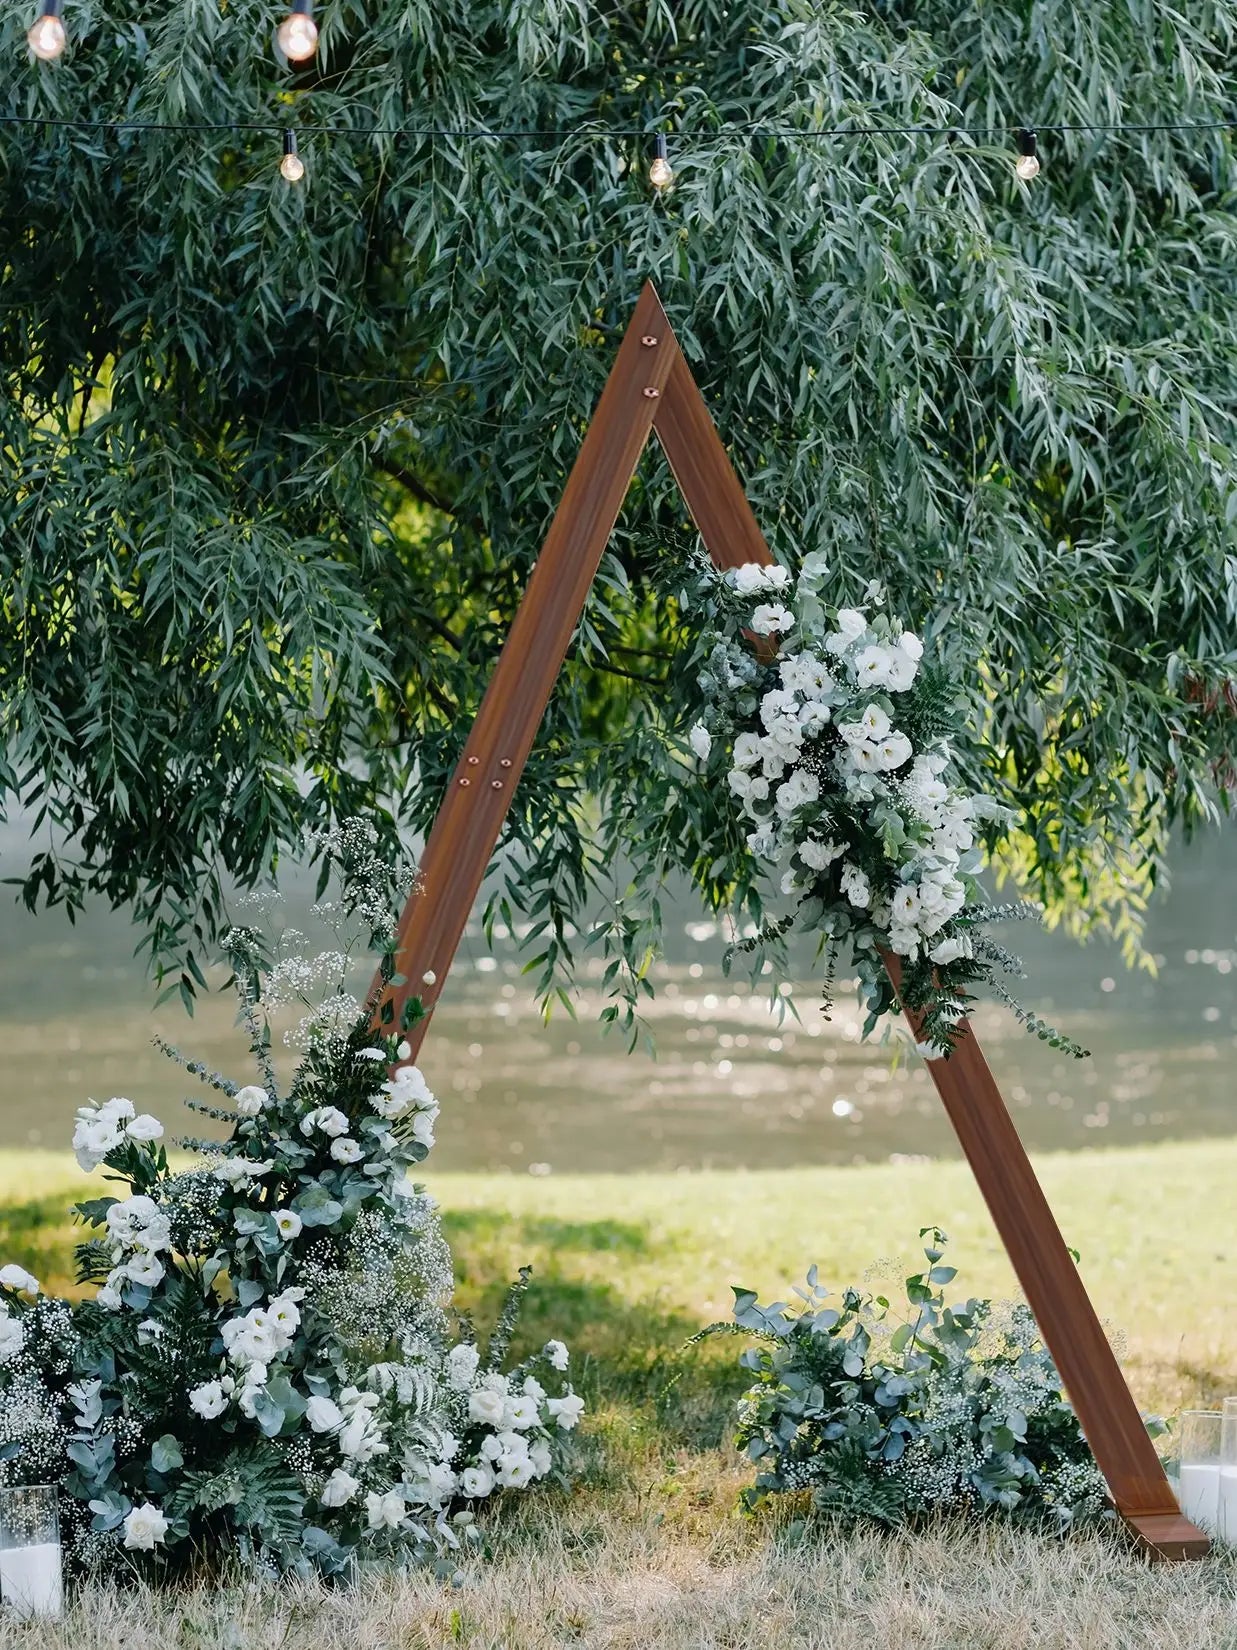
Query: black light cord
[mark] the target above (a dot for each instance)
(683, 135)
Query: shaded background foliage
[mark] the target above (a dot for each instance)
(277, 461)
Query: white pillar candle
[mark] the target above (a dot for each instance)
(1226, 1524)
(30, 1583)
(1200, 1493)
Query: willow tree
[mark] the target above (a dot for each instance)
(278, 458)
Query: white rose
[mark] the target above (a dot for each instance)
(566, 1411)
(145, 1527)
(16, 1277)
(385, 1511)
(287, 1224)
(341, 1486)
(12, 1338)
(144, 1127)
(487, 1407)
(345, 1150)
(557, 1354)
(250, 1100)
(324, 1414)
(746, 752)
(462, 1364)
(476, 1482)
(700, 740)
(208, 1400)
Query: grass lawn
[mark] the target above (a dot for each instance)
(648, 1550)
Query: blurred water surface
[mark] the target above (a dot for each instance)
(729, 1086)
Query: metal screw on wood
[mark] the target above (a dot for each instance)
(504, 762)
(648, 340)
(652, 394)
(473, 761)
(465, 781)
(496, 784)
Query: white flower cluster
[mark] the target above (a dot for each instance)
(407, 1095)
(139, 1233)
(833, 788)
(101, 1129)
(514, 1450)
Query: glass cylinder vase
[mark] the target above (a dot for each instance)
(1198, 1469)
(1227, 1523)
(30, 1568)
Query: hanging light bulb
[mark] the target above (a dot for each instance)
(297, 35)
(1027, 164)
(661, 173)
(46, 36)
(291, 166)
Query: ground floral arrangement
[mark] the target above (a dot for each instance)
(269, 1366)
(944, 1409)
(833, 737)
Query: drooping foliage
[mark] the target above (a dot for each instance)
(277, 460)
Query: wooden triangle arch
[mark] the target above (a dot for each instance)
(651, 389)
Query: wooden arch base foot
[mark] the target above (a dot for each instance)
(651, 391)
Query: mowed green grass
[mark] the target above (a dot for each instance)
(647, 1551)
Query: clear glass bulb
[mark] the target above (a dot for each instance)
(661, 173)
(297, 36)
(47, 38)
(1027, 167)
(293, 168)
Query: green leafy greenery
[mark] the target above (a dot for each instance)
(277, 461)
(953, 1408)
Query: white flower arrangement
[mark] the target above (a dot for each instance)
(268, 1365)
(836, 754)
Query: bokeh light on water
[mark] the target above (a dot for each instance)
(730, 1085)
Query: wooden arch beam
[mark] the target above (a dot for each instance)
(651, 389)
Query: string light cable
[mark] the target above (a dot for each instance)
(297, 37)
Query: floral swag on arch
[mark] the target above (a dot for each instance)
(836, 753)
(269, 1366)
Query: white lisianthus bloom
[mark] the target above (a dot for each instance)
(491, 1447)
(762, 843)
(237, 1171)
(814, 719)
(775, 704)
(521, 1412)
(515, 1471)
(950, 950)
(287, 1223)
(109, 1298)
(905, 906)
(903, 942)
(566, 1411)
(250, 1100)
(770, 619)
(541, 1456)
(800, 789)
(476, 1482)
(17, 1277)
(341, 1486)
(144, 1127)
(361, 1438)
(208, 1400)
(700, 740)
(12, 1338)
(385, 1511)
(324, 1414)
(533, 1388)
(145, 1269)
(910, 643)
(557, 1353)
(145, 1527)
(487, 1407)
(404, 1051)
(790, 883)
(117, 1110)
(96, 1133)
(462, 1364)
(346, 1150)
(872, 665)
(851, 624)
(855, 886)
(423, 1127)
(330, 1120)
(435, 1483)
(902, 670)
(818, 856)
(285, 1315)
(746, 752)
(754, 576)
